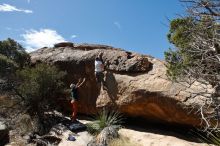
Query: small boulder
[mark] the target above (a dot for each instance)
(105, 136)
(4, 134)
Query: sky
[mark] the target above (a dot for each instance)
(134, 25)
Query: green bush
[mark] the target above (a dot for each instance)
(178, 60)
(14, 51)
(40, 84)
(104, 119)
(12, 57)
(7, 66)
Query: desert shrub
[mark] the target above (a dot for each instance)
(6, 65)
(104, 119)
(40, 83)
(14, 51)
(12, 57)
(39, 86)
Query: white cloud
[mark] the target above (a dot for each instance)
(10, 8)
(73, 36)
(34, 39)
(117, 24)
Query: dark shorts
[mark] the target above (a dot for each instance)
(72, 97)
(99, 76)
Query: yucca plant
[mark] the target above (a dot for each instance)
(208, 137)
(104, 118)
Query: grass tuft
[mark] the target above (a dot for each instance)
(104, 119)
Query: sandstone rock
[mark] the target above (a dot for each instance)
(87, 47)
(64, 44)
(82, 139)
(136, 84)
(121, 61)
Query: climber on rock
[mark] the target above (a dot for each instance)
(75, 98)
(99, 70)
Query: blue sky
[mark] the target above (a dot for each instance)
(134, 25)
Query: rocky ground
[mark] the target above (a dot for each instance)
(145, 138)
(82, 139)
(150, 135)
(138, 135)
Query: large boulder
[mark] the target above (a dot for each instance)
(137, 85)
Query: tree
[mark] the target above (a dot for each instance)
(178, 60)
(197, 54)
(12, 57)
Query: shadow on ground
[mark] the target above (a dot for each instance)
(182, 132)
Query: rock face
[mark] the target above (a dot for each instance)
(136, 84)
